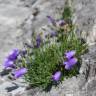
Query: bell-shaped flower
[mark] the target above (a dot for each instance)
(51, 20)
(56, 76)
(20, 72)
(60, 22)
(52, 34)
(13, 54)
(70, 63)
(38, 41)
(23, 52)
(70, 54)
(8, 64)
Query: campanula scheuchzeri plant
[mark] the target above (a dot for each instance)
(50, 60)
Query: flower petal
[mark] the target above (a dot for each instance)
(68, 67)
(8, 64)
(53, 34)
(70, 63)
(13, 54)
(20, 72)
(70, 54)
(38, 41)
(52, 20)
(61, 22)
(56, 76)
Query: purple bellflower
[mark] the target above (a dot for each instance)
(20, 72)
(13, 54)
(52, 34)
(23, 52)
(52, 20)
(70, 54)
(70, 63)
(56, 76)
(38, 41)
(61, 22)
(8, 64)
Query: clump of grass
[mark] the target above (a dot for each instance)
(46, 61)
(42, 66)
(48, 58)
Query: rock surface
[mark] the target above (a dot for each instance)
(19, 18)
(85, 17)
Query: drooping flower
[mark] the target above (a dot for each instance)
(38, 41)
(13, 54)
(23, 52)
(70, 63)
(56, 76)
(61, 22)
(20, 72)
(52, 34)
(8, 64)
(52, 20)
(70, 54)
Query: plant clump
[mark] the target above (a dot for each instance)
(49, 61)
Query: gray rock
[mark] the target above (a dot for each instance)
(85, 18)
(28, 3)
